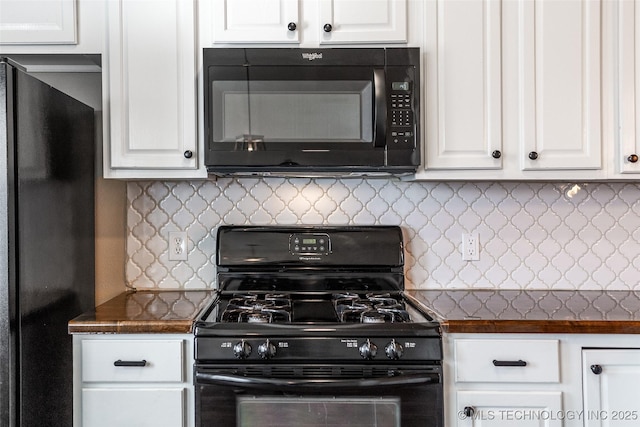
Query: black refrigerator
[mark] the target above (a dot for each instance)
(46, 245)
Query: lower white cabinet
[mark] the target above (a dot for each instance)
(501, 382)
(109, 407)
(133, 380)
(500, 408)
(551, 380)
(611, 384)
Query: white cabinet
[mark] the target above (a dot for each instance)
(38, 22)
(568, 380)
(463, 95)
(559, 82)
(133, 380)
(257, 21)
(150, 90)
(52, 26)
(507, 361)
(509, 408)
(300, 21)
(628, 42)
(362, 21)
(611, 381)
(108, 407)
(513, 90)
(503, 381)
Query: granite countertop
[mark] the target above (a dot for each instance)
(144, 312)
(531, 311)
(458, 311)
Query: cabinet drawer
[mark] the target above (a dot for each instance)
(115, 360)
(123, 407)
(533, 361)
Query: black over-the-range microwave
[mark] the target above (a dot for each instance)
(292, 111)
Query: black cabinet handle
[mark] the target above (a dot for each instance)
(468, 411)
(327, 28)
(188, 154)
(292, 26)
(533, 155)
(496, 154)
(135, 363)
(596, 369)
(509, 363)
(632, 158)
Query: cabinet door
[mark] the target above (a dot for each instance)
(133, 407)
(559, 84)
(628, 150)
(504, 408)
(463, 92)
(362, 21)
(38, 22)
(255, 21)
(611, 382)
(151, 85)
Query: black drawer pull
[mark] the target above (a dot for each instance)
(138, 363)
(509, 363)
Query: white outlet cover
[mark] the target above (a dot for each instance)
(178, 250)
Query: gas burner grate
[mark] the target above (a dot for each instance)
(258, 308)
(370, 308)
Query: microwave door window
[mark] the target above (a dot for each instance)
(292, 111)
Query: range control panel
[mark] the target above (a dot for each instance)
(310, 244)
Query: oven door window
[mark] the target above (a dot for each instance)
(332, 411)
(299, 111)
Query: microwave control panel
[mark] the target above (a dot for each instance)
(401, 113)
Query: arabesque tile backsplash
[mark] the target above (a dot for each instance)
(532, 235)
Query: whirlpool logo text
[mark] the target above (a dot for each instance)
(311, 56)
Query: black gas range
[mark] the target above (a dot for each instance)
(315, 315)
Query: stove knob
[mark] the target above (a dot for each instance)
(368, 350)
(394, 350)
(266, 350)
(242, 350)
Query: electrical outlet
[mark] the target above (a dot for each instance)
(177, 245)
(470, 247)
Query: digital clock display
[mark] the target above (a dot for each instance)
(400, 86)
(309, 241)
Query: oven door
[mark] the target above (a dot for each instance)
(318, 395)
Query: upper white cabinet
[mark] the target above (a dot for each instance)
(257, 21)
(305, 21)
(362, 21)
(513, 90)
(463, 87)
(627, 150)
(150, 90)
(38, 22)
(560, 112)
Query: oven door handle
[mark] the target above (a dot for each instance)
(240, 380)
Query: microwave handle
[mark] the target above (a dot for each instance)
(380, 112)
